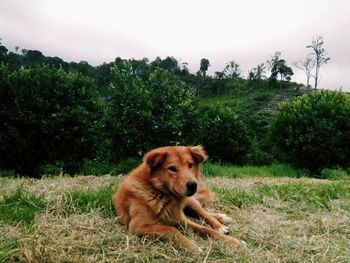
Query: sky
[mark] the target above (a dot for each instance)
(246, 31)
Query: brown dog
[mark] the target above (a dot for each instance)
(152, 198)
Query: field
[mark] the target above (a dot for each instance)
(282, 215)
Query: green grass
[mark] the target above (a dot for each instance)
(232, 171)
(238, 197)
(7, 173)
(310, 195)
(314, 195)
(244, 101)
(8, 247)
(90, 201)
(20, 206)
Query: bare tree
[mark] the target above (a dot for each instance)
(306, 65)
(320, 56)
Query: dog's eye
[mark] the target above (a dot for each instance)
(172, 169)
(190, 165)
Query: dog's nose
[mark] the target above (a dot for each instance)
(191, 188)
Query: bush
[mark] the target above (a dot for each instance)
(145, 114)
(334, 174)
(48, 116)
(313, 131)
(91, 167)
(223, 135)
(7, 173)
(48, 169)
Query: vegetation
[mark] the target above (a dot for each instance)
(60, 117)
(71, 219)
(313, 131)
(48, 116)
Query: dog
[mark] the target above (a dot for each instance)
(152, 199)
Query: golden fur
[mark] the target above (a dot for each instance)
(152, 198)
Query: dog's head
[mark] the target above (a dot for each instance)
(175, 169)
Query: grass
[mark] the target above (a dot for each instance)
(91, 201)
(231, 171)
(281, 214)
(243, 101)
(20, 206)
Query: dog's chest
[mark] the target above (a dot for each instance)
(168, 210)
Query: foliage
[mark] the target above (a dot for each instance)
(7, 173)
(48, 117)
(313, 131)
(278, 67)
(334, 174)
(91, 167)
(223, 135)
(147, 114)
(232, 70)
(204, 65)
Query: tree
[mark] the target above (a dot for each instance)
(204, 65)
(306, 65)
(257, 73)
(232, 70)
(278, 67)
(320, 56)
(256, 76)
(3, 51)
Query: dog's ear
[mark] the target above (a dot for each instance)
(198, 153)
(154, 158)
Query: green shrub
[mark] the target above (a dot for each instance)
(223, 135)
(91, 167)
(334, 174)
(313, 131)
(145, 114)
(7, 173)
(47, 116)
(48, 169)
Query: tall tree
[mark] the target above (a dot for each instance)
(306, 65)
(320, 56)
(204, 65)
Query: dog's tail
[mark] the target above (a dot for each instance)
(204, 195)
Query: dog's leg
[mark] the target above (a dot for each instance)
(163, 231)
(214, 234)
(213, 219)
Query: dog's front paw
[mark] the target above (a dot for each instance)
(234, 241)
(197, 250)
(223, 229)
(224, 218)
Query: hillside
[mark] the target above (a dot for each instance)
(249, 101)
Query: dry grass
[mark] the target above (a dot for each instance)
(276, 230)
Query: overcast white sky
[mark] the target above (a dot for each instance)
(247, 31)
